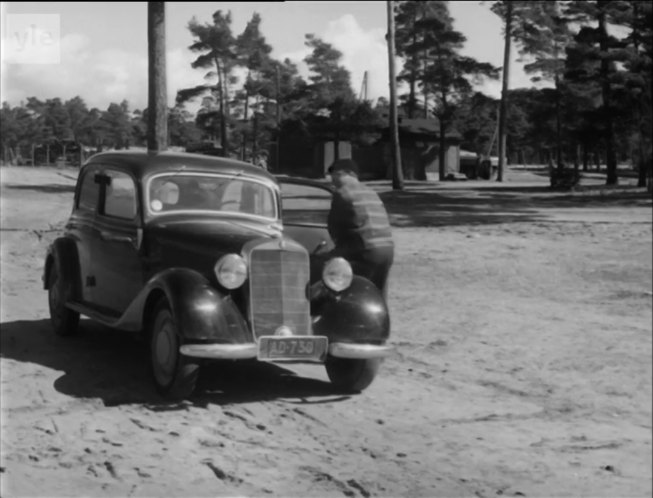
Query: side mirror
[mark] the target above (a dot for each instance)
(102, 179)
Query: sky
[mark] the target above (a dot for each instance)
(98, 50)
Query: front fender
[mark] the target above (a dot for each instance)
(201, 311)
(358, 315)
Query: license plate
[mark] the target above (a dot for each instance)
(311, 348)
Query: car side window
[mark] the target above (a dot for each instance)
(305, 203)
(89, 192)
(120, 198)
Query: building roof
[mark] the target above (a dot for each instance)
(424, 126)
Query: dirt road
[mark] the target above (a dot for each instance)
(522, 322)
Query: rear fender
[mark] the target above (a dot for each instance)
(63, 253)
(202, 312)
(359, 314)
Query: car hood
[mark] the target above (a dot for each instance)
(208, 235)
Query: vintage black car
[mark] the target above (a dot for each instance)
(193, 251)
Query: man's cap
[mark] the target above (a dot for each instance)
(344, 165)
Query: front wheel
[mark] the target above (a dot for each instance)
(64, 321)
(349, 375)
(175, 375)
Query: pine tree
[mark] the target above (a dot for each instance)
(217, 48)
(603, 51)
(447, 74)
(639, 65)
(330, 88)
(253, 53)
(411, 40)
(543, 33)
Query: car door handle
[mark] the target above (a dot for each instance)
(117, 238)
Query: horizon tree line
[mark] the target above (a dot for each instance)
(598, 108)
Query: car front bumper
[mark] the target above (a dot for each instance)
(220, 351)
(250, 350)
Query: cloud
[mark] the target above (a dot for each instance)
(99, 78)
(113, 75)
(110, 75)
(362, 51)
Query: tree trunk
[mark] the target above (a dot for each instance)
(558, 123)
(642, 162)
(277, 94)
(222, 107)
(243, 149)
(442, 151)
(597, 161)
(412, 100)
(606, 90)
(157, 129)
(255, 133)
(426, 94)
(397, 173)
(504, 92)
(644, 165)
(577, 158)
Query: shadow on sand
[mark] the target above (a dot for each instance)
(111, 365)
(52, 188)
(424, 205)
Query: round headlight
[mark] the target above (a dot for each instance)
(231, 271)
(337, 274)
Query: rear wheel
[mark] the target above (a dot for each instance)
(174, 374)
(64, 321)
(349, 375)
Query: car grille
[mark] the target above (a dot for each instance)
(278, 279)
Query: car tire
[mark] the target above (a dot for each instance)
(174, 374)
(349, 375)
(65, 321)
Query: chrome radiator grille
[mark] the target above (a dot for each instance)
(278, 280)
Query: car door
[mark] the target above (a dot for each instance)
(117, 263)
(81, 227)
(305, 208)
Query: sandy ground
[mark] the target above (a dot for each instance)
(522, 325)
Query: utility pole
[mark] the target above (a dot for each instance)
(397, 173)
(362, 97)
(157, 108)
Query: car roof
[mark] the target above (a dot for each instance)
(143, 164)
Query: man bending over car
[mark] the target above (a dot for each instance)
(359, 226)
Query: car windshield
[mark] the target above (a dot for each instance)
(211, 193)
